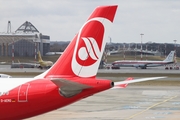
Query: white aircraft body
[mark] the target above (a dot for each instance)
(144, 64)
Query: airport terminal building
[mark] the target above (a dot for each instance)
(25, 41)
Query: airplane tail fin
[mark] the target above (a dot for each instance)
(170, 57)
(39, 57)
(83, 55)
(19, 61)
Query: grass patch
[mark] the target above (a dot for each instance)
(8, 60)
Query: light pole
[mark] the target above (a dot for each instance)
(110, 40)
(165, 51)
(13, 52)
(175, 50)
(141, 44)
(135, 51)
(124, 51)
(146, 51)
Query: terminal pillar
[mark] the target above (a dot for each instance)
(6, 49)
(2, 49)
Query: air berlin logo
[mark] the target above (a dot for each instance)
(90, 51)
(89, 47)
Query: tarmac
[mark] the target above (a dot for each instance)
(7, 68)
(131, 103)
(161, 69)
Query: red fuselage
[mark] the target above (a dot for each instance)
(40, 96)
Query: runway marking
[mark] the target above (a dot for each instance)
(154, 105)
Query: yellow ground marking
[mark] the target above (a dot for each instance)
(154, 105)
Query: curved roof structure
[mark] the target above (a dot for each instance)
(27, 27)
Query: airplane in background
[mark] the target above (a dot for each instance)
(24, 65)
(5, 76)
(70, 79)
(54, 53)
(42, 63)
(144, 64)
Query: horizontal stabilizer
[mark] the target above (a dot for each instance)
(136, 80)
(68, 85)
(69, 88)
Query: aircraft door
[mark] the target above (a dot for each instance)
(23, 93)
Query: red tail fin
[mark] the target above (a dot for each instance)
(82, 57)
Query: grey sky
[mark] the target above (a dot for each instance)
(158, 20)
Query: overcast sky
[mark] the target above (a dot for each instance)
(158, 20)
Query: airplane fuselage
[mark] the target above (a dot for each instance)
(140, 63)
(46, 63)
(143, 64)
(40, 96)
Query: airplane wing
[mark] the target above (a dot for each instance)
(116, 84)
(123, 85)
(69, 86)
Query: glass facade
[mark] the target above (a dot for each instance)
(3, 49)
(46, 48)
